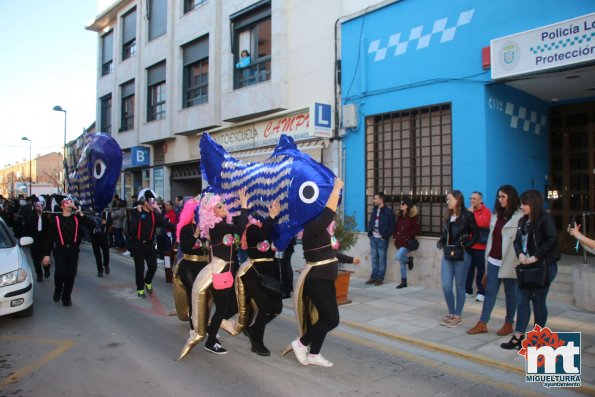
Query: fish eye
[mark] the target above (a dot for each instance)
(308, 192)
(99, 169)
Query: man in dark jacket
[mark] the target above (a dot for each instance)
(100, 242)
(38, 227)
(381, 226)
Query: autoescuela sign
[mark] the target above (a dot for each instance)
(301, 125)
(561, 44)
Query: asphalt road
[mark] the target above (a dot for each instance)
(111, 343)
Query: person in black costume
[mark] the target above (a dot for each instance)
(66, 232)
(143, 223)
(195, 250)
(263, 261)
(100, 242)
(38, 226)
(316, 285)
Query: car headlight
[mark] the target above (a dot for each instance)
(18, 276)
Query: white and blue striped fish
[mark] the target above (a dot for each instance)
(93, 181)
(301, 184)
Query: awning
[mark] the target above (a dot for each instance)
(313, 148)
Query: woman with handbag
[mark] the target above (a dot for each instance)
(459, 234)
(215, 278)
(404, 237)
(195, 251)
(501, 259)
(536, 245)
(259, 279)
(314, 294)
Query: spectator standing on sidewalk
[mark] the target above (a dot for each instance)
(501, 259)
(381, 226)
(458, 236)
(536, 241)
(405, 231)
(477, 269)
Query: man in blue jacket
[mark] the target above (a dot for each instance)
(380, 228)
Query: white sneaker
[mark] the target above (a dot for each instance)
(317, 359)
(480, 298)
(469, 296)
(127, 253)
(300, 351)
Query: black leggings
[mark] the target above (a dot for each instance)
(222, 298)
(323, 295)
(268, 306)
(188, 270)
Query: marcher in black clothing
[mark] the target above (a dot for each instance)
(287, 270)
(195, 257)
(143, 223)
(66, 233)
(100, 242)
(38, 227)
(317, 284)
(261, 261)
(213, 223)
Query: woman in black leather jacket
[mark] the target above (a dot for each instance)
(459, 230)
(536, 241)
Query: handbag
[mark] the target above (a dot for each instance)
(222, 280)
(484, 233)
(533, 276)
(412, 245)
(270, 284)
(454, 252)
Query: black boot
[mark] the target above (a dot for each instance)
(513, 343)
(410, 263)
(403, 283)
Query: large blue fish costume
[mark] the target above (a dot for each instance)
(93, 182)
(301, 184)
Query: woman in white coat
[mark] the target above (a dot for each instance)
(501, 259)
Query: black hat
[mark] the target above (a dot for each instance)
(146, 194)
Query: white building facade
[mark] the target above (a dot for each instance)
(168, 71)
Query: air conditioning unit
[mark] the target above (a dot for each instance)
(349, 119)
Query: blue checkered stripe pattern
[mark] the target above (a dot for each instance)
(525, 119)
(401, 42)
(568, 42)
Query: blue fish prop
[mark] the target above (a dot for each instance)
(301, 184)
(93, 182)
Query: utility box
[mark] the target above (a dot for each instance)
(349, 119)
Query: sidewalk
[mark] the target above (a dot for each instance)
(413, 315)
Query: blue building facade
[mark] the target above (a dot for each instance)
(430, 118)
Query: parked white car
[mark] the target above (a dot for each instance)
(16, 278)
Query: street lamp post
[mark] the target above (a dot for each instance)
(30, 168)
(58, 108)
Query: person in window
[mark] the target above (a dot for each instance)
(406, 229)
(501, 259)
(195, 250)
(459, 231)
(316, 285)
(67, 236)
(536, 241)
(256, 240)
(243, 66)
(216, 225)
(244, 60)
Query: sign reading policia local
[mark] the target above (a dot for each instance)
(565, 43)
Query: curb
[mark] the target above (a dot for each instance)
(586, 388)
